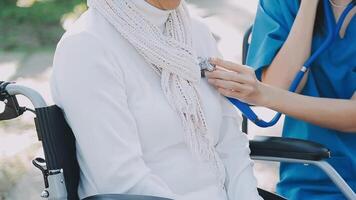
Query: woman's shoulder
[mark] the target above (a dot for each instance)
(91, 29)
(83, 53)
(203, 39)
(85, 43)
(200, 27)
(199, 24)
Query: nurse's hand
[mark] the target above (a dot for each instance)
(238, 81)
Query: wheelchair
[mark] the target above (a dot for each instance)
(60, 168)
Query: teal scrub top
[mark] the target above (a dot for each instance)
(333, 75)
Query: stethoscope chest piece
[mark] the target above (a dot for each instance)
(205, 65)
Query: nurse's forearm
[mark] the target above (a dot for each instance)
(335, 114)
(240, 82)
(296, 49)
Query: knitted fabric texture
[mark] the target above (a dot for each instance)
(171, 55)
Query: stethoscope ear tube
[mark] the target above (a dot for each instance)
(333, 32)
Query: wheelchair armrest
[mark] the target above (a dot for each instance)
(268, 195)
(288, 148)
(123, 197)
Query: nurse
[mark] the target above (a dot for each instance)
(284, 35)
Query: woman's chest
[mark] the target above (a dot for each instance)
(159, 124)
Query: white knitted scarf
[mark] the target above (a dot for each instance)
(172, 56)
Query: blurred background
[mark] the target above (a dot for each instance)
(29, 31)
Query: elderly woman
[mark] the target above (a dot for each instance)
(127, 77)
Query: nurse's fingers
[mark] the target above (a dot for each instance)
(231, 94)
(230, 76)
(231, 85)
(230, 65)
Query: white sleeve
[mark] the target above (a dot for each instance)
(93, 96)
(233, 148)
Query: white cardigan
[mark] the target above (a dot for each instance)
(129, 139)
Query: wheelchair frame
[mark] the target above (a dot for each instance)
(55, 178)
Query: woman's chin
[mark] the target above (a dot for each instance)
(165, 4)
(170, 4)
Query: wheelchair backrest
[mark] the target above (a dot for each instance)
(59, 146)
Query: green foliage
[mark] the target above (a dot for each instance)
(36, 26)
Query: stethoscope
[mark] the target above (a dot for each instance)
(333, 30)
